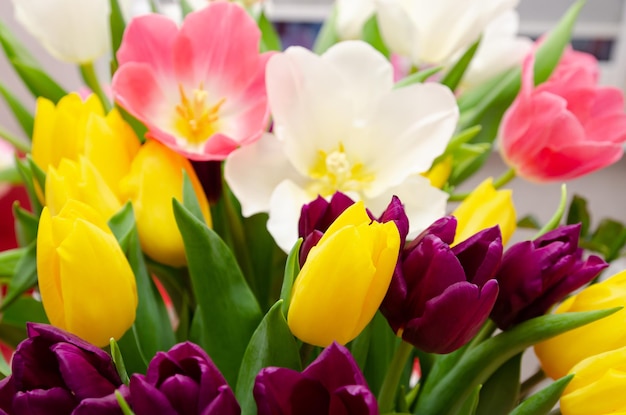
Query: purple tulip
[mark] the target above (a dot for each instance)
(535, 275)
(54, 372)
(439, 296)
(183, 380)
(317, 216)
(331, 385)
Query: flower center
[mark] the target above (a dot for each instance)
(334, 171)
(196, 119)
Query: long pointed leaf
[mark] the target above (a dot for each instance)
(543, 401)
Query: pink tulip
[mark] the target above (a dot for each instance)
(566, 127)
(199, 89)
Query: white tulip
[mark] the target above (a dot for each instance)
(352, 16)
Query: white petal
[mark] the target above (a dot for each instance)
(75, 31)
(254, 171)
(351, 17)
(422, 202)
(396, 27)
(285, 207)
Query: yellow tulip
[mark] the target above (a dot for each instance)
(87, 286)
(559, 354)
(598, 386)
(483, 208)
(344, 279)
(81, 181)
(156, 176)
(440, 172)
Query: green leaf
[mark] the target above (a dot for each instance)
(543, 401)
(455, 74)
(371, 35)
(38, 82)
(609, 238)
(118, 361)
(272, 344)
(417, 77)
(450, 391)
(500, 392)
(228, 309)
(38, 174)
(10, 175)
(185, 7)
(29, 183)
(9, 260)
(117, 25)
(470, 405)
(578, 213)
(468, 158)
(25, 277)
(152, 324)
(134, 359)
(123, 404)
(190, 199)
(5, 369)
(554, 221)
(292, 269)
(21, 114)
(270, 39)
(15, 317)
(327, 35)
(529, 222)
(25, 225)
(383, 344)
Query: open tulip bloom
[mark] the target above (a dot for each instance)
(234, 227)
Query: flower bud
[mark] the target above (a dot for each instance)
(344, 279)
(87, 286)
(483, 208)
(559, 354)
(156, 176)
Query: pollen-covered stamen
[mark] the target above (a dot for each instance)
(196, 119)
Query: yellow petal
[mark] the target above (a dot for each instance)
(42, 133)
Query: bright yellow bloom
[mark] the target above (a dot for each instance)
(559, 354)
(344, 279)
(440, 172)
(483, 208)
(598, 386)
(156, 176)
(81, 181)
(87, 286)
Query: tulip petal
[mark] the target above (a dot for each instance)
(334, 368)
(39, 401)
(353, 399)
(273, 387)
(147, 399)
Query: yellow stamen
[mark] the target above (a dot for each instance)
(196, 120)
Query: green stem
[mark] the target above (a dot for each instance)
(88, 72)
(389, 388)
(16, 142)
(506, 177)
(485, 332)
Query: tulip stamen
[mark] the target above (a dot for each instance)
(196, 119)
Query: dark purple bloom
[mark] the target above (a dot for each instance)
(331, 385)
(317, 216)
(439, 296)
(535, 275)
(54, 372)
(183, 380)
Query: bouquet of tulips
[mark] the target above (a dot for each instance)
(226, 227)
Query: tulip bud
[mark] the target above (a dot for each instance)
(559, 354)
(598, 385)
(87, 286)
(332, 384)
(344, 278)
(483, 208)
(80, 181)
(535, 275)
(156, 176)
(439, 296)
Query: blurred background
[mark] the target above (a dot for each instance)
(601, 30)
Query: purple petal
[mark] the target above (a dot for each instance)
(444, 229)
(34, 366)
(272, 388)
(353, 400)
(44, 402)
(182, 392)
(310, 214)
(480, 255)
(395, 212)
(309, 397)
(224, 404)
(394, 305)
(309, 242)
(335, 367)
(568, 234)
(107, 405)
(7, 392)
(148, 400)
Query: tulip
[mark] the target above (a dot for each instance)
(54, 372)
(199, 95)
(73, 31)
(559, 354)
(439, 296)
(352, 16)
(155, 177)
(331, 385)
(182, 381)
(598, 385)
(344, 279)
(439, 173)
(80, 181)
(87, 286)
(535, 275)
(564, 128)
(483, 208)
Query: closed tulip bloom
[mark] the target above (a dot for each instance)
(598, 385)
(55, 372)
(87, 286)
(559, 354)
(483, 208)
(182, 381)
(73, 31)
(331, 385)
(155, 177)
(566, 127)
(537, 274)
(439, 296)
(344, 279)
(81, 181)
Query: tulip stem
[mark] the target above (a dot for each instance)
(88, 72)
(389, 388)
